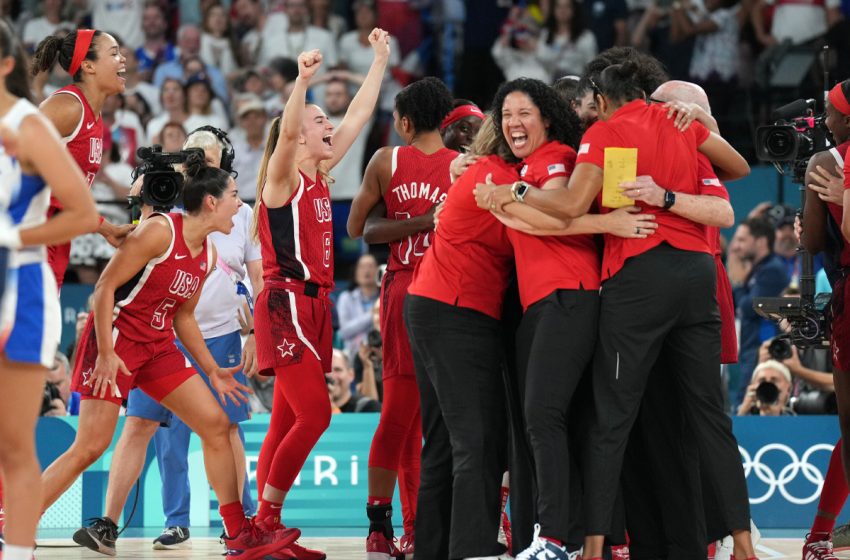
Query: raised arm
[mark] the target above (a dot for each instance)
(728, 163)
(361, 107)
(282, 170)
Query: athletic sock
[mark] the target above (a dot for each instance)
(269, 511)
(12, 552)
(554, 541)
(379, 510)
(233, 517)
(833, 496)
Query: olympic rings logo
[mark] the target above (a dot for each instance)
(796, 466)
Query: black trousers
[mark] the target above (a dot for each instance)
(555, 344)
(662, 302)
(458, 357)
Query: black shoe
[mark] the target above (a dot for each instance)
(99, 536)
(173, 538)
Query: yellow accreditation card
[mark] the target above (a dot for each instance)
(620, 166)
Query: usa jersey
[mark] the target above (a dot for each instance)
(840, 155)
(419, 182)
(145, 305)
(296, 239)
(85, 144)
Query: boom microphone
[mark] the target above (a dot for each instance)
(794, 109)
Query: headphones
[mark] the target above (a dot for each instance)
(227, 152)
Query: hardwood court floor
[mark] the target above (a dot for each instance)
(337, 548)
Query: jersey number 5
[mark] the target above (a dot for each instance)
(158, 320)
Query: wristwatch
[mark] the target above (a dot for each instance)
(669, 199)
(518, 191)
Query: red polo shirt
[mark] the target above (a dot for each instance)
(470, 259)
(549, 263)
(664, 153)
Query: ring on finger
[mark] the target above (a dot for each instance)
(637, 230)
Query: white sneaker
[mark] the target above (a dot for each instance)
(542, 549)
(726, 546)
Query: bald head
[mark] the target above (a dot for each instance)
(687, 92)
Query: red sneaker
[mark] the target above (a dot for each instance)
(379, 547)
(818, 547)
(256, 540)
(405, 545)
(297, 552)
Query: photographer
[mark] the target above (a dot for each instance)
(769, 392)
(808, 366)
(58, 398)
(516, 49)
(340, 386)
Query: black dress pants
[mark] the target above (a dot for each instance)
(458, 357)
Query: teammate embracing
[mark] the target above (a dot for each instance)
(401, 188)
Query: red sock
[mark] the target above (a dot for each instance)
(379, 501)
(833, 496)
(551, 540)
(269, 510)
(233, 517)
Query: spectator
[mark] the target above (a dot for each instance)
(717, 28)
(172, 97)
(249, 147)
(199, 104)
(566, 45)
(769, 392)
(281, 74)
(794, 22)
(217, 41)
(356, 54)
(343, 396)
(156, 49)
(785, 244)
(122, 17)
(607, 22)
(322, 16)
(250, 81)
(654, 32)
(401, 19)
(515, 50)
(38, 28)
(354, 306)
(349, 171)
(173, 136)
(764, 276)
(246, 29)
(290, 34)
(142, 96)
(189, 43)
(58, 382)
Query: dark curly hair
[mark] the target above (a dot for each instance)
(202, 180)
(425, 102)
(564, 124)
(651, 75)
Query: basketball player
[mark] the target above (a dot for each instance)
(96, 66)
(292, 219)
(145, 296)
(410, 181)
(31, 155)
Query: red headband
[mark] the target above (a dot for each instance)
(81, 47)
(459, 113)
(839, 100)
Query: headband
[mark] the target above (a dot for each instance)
(81, 47)
(459, 113)
(839, 100)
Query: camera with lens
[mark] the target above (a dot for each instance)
(50, 392)
(162, 186)
(815, 402)
(795, 135)
(780, 348)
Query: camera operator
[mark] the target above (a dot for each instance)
(340, 381)
(812, 383)
(58, 399)
(769, 392)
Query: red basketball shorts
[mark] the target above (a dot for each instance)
(398, 359)
(287, 324)
(157, 367)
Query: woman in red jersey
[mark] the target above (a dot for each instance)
(145, 295)
(292, 219)
(30, 323)
(657, 296)
(94, 62)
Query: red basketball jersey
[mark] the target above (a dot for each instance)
(297, 239)
(837, 212)
(145, 306)
(86, 142)
(419, 182)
